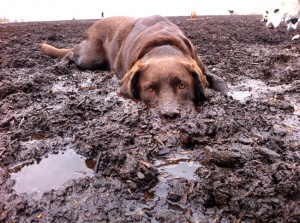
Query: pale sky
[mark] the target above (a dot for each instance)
(44, 10)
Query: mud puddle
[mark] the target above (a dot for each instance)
(178, 168)
(51, 172)
(169, 169)
(181, 169)
(250, 89)
(277, 97)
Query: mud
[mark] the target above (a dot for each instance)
(234, 159)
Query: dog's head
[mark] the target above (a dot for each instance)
(292, 23)
(166, 83)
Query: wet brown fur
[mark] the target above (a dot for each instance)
(128, 45)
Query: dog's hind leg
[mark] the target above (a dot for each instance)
(89, 54)
(65, 54)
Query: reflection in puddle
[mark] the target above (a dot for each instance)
(256, 89)
(180, 169)
(62, 86)
(173, 168)
(50, 173)
(157, 194)
(241, 96)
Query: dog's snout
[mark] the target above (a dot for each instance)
(290, 27)
(270, 26)
(169, 110)
(171, 114)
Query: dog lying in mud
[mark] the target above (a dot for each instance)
(154, 60)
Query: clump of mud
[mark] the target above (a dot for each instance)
(234, 159)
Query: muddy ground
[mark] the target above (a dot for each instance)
(244, 147)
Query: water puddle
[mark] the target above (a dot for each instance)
(254, 89)
(241, 96)
(85, 85)
(257, 90)
(178, 168)
(170, 169)
(51, 172)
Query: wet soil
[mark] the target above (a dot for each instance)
(234, 159)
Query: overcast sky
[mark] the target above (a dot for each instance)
(43, 10)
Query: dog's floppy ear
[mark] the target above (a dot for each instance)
(200, 80)
(129, 83)
(215, 82)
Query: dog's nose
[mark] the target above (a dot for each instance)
(270, 26)
(171, 114)
(289, 28)
(169, 107)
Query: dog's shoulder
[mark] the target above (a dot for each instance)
(109, 26)
(152, 20)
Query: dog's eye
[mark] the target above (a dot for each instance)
(150, 89)
(181, 86)
(294, 20)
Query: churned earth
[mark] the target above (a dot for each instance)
(73, 150)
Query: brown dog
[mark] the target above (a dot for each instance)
(156, 63)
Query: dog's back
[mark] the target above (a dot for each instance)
(116, 43)
(149, 33)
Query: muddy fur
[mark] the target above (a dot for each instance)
(155, 61)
